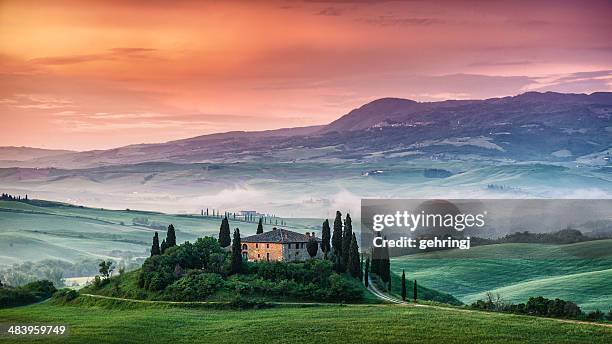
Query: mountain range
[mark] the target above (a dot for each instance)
(531, 126)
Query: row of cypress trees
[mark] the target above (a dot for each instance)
(341, 246)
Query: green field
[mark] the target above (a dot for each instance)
(138, 323)
(577, 272)
(51, 230)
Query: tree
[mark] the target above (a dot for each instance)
(312, 247)
(163, 246)
(337, 235)
(325, 237)
(347, 237)
(403, 285)
(366, 273)
(260, 227)
(224, 233)
(155, 251)
(414, 291)
(361, 269)
(106, 268)
(353, 258)
(171, 237)
(236, 263)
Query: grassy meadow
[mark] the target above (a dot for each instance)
(122, 322)
(578, 272)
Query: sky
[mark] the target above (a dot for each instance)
(84, 75)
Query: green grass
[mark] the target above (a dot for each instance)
(578, 272)
(322, 324)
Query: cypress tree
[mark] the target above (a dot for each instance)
(155, 247)
(337, 235)
(361, 269)
(171, 237)
(347, 237)
(224, 233)
(414, 291)
(260, 226)
(403, 286)
(325, 237)
(163, 247)
(353, 261)
(236, 263)
(312, 247)
(366, 273)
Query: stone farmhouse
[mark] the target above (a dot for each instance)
(278, 245)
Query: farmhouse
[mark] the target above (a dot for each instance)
(278, 245)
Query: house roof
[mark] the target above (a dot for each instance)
(279, 235)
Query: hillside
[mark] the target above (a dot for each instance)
(577, 272)
(49, 230)
(121, 322)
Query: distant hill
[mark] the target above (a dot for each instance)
(531, 126)
(14, 154)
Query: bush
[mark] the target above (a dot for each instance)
(595, 315)
(26, 294)
(538, 306)
(158, 271)
(241, 302)
(195, 287)
(65, 295)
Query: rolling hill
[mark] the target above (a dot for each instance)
(49, 230)
(577, 272)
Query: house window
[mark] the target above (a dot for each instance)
(245, 247)
(289, 245)
(267, 245)
(297, 253)
(258, 256)
(256, 245)
(268, 256)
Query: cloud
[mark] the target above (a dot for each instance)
(37, 101)
(109, 55)
(579, 82)
(330, 11)
(499, 63)
(388, 20)
(71, 59)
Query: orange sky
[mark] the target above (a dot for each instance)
(89, 75)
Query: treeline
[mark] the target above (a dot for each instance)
(539, 306)
(268, 219)
(24, 295)
(564, 236)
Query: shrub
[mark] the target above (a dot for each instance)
(595, 315)
(65, 295)
(26, 294)
(195, 287)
